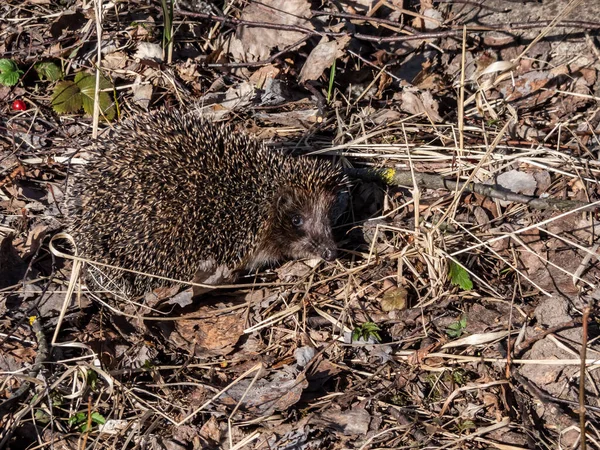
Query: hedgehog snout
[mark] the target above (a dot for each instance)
(320, 241)
(329, 253)
(324, 247)
(315, 246)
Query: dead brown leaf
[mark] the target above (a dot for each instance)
(351, 422)
(260, 77)
(210, 430)
(394, 299)
(278, 392)
(419, 103)
(255, 44)
(322, 57)
(215, 335)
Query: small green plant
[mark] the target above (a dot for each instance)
(167, 41)
(9, 72)
(80, 420)
(57, 399)
(456, 329)
(399, 399)
(435, 393)
(459, 276)
(48, 70)
(69, 96)
(459, 376)
(366, 331)
(465, 426)
(331, 78)
(42, 416)
(92, 379)
(148, 365)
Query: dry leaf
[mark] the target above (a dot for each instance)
(518, 182)
(34, 240)
(477, 339)
(278, 392)
(147, 50)
(115, 60)
(542, 180)
(435, 19)
(351, 422)
(263, 74)
(322, 57)
(419, 102)
(142, 93)
(528, 87)
(209, 336)
(394, 299)
(210, 430)
(255, 44)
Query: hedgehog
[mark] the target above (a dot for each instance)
(173, 194)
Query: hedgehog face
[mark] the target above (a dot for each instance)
(299, 226)
(302, 225)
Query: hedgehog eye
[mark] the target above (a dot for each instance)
(297, 220)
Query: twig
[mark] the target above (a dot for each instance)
(88, 426)
(539, 24)
(321, 106)
(399, 25)
(546, 398)
(253, 24)
(96, 113)
(455, 31)
(476, 4)
(394, 177)
(584, 340)
(519, 349)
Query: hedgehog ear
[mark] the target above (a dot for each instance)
(284, 199)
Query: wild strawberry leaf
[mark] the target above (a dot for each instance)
(460, 277)
(48, 70)
(87, 84)
(9, 72)
(66, 98)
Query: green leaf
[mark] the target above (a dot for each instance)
(77, 418)
(459, 376)
(460, 277)
(81, 419)
(49, 71)
(87, 84)
(366, 331)
(98, 418)
(331, 78)
(9, 78)
(7, 65)
(80, 76)
(42, 416)
(9, 72)
(66, 98)
(92, 379)
(466, 425)
(148, 365)
(455, 329)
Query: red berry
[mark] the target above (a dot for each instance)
(19, 105)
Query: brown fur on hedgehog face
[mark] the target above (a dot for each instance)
(299, 226)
